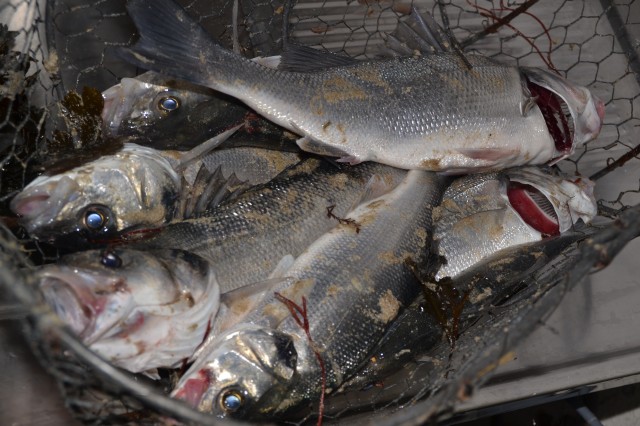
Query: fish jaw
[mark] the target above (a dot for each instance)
(122, 102)
(40, 203)
(75, 301)
(242, 368)
(587, 111)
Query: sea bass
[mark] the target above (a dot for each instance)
(139, 310)
(248, 237)
(433, 112)
(164, 113)
(313, 331)
(447, 309)
(135, 188)
(485, 213)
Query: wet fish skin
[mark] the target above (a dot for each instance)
(355, 284)
(413, 113)
(134, 110)
(247, 237)
(478, 216)
(139, 310)
(138, 187)
(498, 279)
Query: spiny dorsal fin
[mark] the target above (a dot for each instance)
(297, 58)
(419, 35)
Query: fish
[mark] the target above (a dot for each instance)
(137, 187)
(168, 114)
(314, 329)
(484, 213)
(249, 236)
(433, 112)
(139, 310)
(435, 320)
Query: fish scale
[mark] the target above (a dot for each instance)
(355, 284)
(247, 237)
(433, 112)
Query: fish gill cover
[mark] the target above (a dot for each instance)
(56, 55)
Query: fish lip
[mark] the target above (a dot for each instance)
(194, 389)
(117, 105)
(72, 308)
(41, 202)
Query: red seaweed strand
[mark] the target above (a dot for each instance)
(299, 315)
(490, 14)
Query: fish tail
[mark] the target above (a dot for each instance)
(171, 42)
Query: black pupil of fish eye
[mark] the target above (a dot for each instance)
(111, 260)
(94, 219)
(231, 401)
(168, 104)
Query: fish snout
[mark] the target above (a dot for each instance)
(42, 200)
(118, 104)
(194, 389)
(590, 121)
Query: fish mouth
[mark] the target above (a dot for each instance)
(534, 208)
(557, 116)
(67, 304)
(40, 202)
(194, 389)
(118, 104)
(573, 115)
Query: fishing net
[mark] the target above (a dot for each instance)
(51, 48)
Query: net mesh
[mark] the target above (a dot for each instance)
(50, 48)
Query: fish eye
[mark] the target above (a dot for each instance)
(96, 217)
(231, 400)
(110, 259)
(169, 103)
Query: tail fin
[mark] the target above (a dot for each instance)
(171, 42)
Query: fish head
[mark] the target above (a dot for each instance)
(152, 109)
(549, 202)
(135, 187)
(114, 292)
(244, 376)
(574, 116)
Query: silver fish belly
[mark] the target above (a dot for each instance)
(247, 237)
(352, 286)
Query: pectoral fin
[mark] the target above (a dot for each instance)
(488, 154)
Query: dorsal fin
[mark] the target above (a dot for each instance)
(297, 58)
(419, 35)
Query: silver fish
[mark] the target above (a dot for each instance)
(349, 287)
(248, 237)
(137, 187)
(139, 310)
(437, 318)
(165, 113)
(485, 213)
(430, 112)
